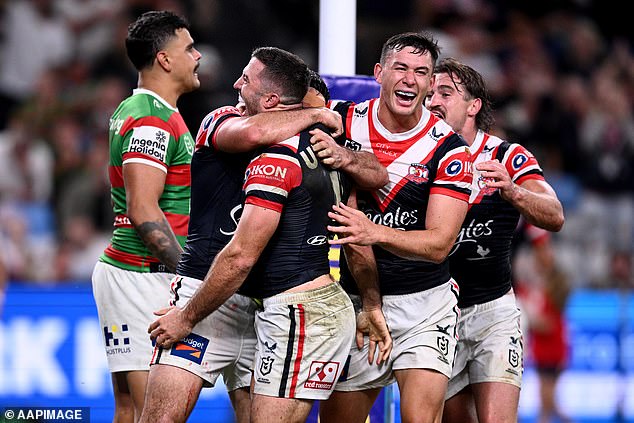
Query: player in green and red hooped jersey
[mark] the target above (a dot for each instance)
(150, 154)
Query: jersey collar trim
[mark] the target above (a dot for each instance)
(402, 136)
(478, 143)
(153, 94)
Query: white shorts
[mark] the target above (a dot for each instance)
(303, 341)
(423, 328)
(126, 301)
(223, 343)
(490, 346)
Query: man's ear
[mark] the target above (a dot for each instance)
(271, 100)
(377, 72)
(163, 61)
(474, 107)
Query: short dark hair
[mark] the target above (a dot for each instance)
(420, 41)
(149, 34)
(315, 81)
(473, 86)
(285, 72)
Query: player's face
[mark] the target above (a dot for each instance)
(446, 100)
(405, 78)
(249, 85)
(185, 60)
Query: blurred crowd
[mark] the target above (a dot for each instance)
(562, 82)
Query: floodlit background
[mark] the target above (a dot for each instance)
(562, 77)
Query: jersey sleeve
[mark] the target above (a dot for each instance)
(146, 140)
(271, 176)
(455, 170)
(521, 164)
(206, 136)
(345, 109)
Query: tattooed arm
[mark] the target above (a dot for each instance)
(143, 186)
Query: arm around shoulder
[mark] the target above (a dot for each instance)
(251, 132)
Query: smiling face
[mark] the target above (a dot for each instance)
(249, 85)
(184, 59)
(449, 100)
(405, 78)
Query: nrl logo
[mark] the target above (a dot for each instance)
(514, 358)
(266, 365)
(443, 345)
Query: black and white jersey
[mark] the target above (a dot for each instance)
(481, 258)
(288, 178)
(216, 197)
(428, 159)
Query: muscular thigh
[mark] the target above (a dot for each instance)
(496, 402)
(422, 394)
(172, 393)
(266, 409)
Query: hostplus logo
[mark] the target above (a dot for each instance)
(116, 340)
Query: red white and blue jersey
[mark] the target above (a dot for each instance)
(481, 258)
(428, 159)
(288, 178)
(216, 196)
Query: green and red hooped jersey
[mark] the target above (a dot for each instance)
(146, 129)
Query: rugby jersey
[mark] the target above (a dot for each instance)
(146, 129)
(480, 260)
(428, 159)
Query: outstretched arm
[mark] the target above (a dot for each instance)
(227, 273)
(535, 199)
(250, 132)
